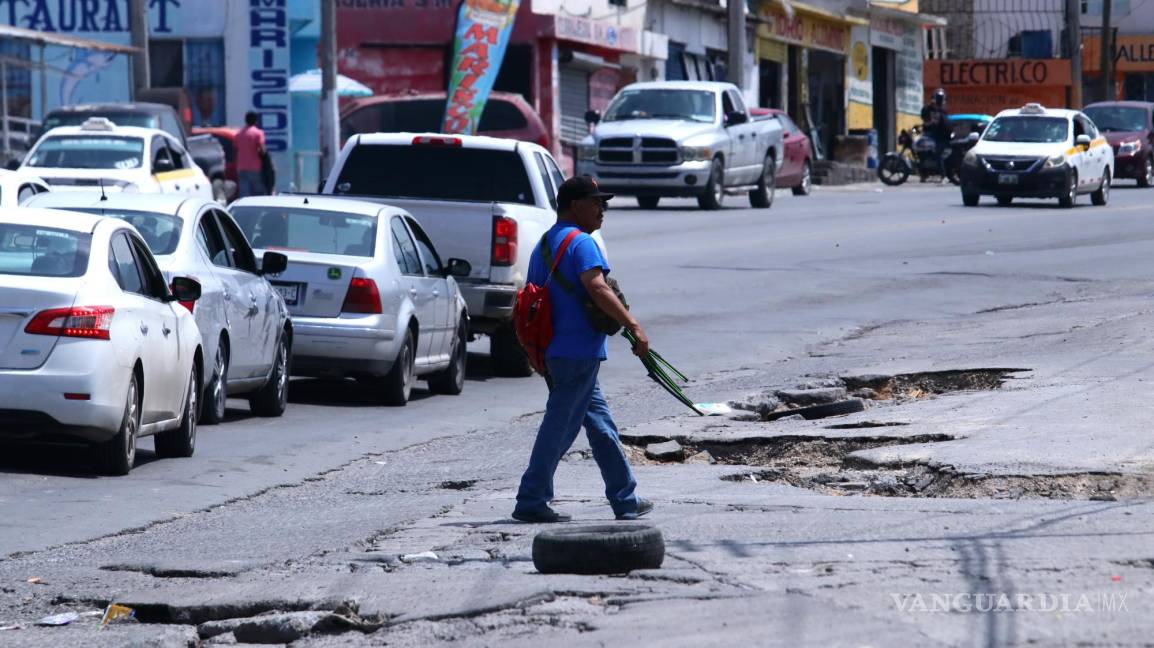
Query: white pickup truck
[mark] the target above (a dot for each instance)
(482, 199)
(682, 138)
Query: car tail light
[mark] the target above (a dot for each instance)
(436, 141)
(92, 322)
(362, 297)
(504, 241)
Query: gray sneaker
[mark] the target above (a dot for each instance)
(644, 506)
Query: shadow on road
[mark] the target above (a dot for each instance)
(61, 460)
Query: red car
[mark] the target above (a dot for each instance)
(226, 135)
(506, 115)
(797, 169)
(1128, 128)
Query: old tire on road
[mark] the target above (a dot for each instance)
(604, 549)
(762, 196)
(505, 352)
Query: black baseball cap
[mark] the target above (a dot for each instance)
(579, 187)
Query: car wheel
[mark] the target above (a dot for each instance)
(606, 549)
(715, 188)
(762, 197)
(505, 352)
(1067, 200)
(1102, 195)
(806, 186)
(272, 399)
(648, 202)
(117, 455)
(971, 199)
(181, 442)
(1005, 200)
(216, 399)
(398, 384)
(451, 381)
(1147, 177)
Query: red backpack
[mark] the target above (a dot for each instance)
(533, 310)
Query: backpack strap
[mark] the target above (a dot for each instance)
(547, 258)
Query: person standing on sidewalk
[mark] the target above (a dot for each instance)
(250, 152)
(573, 359)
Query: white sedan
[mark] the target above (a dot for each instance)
(243, 320)
(368, 294)
(93, 344)
(16, 188)
(103, 157)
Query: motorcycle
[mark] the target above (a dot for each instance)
(917, 152)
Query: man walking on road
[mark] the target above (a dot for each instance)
(250, 152)
(573, 359)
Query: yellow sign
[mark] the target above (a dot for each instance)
(860, 59)
(804, 30)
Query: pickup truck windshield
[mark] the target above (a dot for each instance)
(88, 152)
(1032, 130)
(1118, 118)
(686, 105)
(435, 173)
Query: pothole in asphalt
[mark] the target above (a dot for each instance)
(462, 484)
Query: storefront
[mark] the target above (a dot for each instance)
(892, 58)
(987, 86)
(802, 67)
(1133, 68)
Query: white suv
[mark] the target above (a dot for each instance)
(1035, 152)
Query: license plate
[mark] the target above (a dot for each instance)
(289, 292)
(1008, 179)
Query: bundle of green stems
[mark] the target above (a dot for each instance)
(657, 368)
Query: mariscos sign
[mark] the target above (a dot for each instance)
(1000, 72)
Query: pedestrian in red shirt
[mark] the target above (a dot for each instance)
(250, 152)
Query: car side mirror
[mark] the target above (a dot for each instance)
(459, 268)
(13, 164)
(273, 263)
(162, 165)
(185, 289)
(1082, 140)
(592, 117)
(973, 137)
(735, 117)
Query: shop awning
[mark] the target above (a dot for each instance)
(925, 20)
(42, 38)
(817, 12)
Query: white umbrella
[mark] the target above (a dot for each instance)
(309, 83)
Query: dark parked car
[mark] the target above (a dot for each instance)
(506, 115)
(796, 171)
(226, 137)
(1127, 126)
(205, 151)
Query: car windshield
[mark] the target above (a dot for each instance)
(1035, 130)
(88, 152)
(435, 173)
(1118, 118)
(688, 105)
(42, 251)
(160, 231)
(308, 230)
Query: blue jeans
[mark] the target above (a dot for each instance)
(251, 184)
(574, 400)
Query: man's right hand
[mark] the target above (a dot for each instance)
(641, 349)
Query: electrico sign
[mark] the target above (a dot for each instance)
(999, 72)
(483, 30)
(268, 58)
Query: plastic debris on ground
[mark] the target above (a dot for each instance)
(58, 619)
(116, 613)
(424, 556)
(714, 409)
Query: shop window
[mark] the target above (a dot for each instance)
(196, 65)
(1031, 44)
(166, 63)
(18, 80)
(935, 42)
(675, 65)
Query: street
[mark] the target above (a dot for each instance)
(1038, 459)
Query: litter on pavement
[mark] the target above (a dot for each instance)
(58, 619)
(714, 409)
(116, 613)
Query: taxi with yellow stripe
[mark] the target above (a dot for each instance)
(98, 155)
(1038, 152)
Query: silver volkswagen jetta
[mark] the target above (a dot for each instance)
(369, 296)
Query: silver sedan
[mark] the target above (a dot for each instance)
(369, 296)
(244, 322)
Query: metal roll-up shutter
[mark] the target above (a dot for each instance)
(574, 103)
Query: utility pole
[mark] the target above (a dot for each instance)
(330, 139)
(1106, 45)
(736, 25)
(1074, 43)
(140, 65)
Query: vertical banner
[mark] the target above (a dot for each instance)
(483, 30)
(268, 63)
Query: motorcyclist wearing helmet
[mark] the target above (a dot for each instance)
(936, 124)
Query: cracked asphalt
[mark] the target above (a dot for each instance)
(316, 529)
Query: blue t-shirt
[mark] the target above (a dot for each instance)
(573, 334)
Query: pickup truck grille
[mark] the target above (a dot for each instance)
(638, 150)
